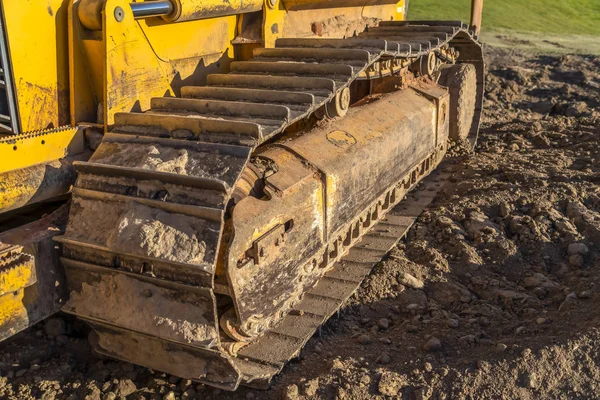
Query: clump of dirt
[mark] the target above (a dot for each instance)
(131, 227)
(181, 161)
(331, 27)
(494, 294)
(175, 237)
(159, 312)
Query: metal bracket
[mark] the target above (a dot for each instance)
(28, 149)
(264, 245)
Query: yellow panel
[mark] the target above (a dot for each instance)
(37, 37)
(189, 10)
(151, 58)
(13, 313)
(22, 151)
(86, 87)
(31, 277)
(17, 271)
(273, 20)
(133, 74)
(400, 11)
(179, 40)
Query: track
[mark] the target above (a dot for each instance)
(137, 172)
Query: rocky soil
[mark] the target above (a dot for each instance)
(494, 294)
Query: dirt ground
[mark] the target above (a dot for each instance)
(509, 255)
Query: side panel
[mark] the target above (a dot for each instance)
(142, 59)
(38, 50)
(37, 167)
(364, 154)
(347, 164)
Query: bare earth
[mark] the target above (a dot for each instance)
(508, 258)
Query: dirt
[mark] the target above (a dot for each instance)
(130, 227)
(182, 161)
(494, 294)
(160, 312)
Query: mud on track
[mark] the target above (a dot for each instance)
(495, 293)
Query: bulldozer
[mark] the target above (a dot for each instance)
(203, 181)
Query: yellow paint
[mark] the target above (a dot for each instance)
(12, 308)
(273, 16)
(293, 18)
(27, 163)
(30, 185)
(37, 36)
(146, 59)
(17, 277)
(132, 73)
(400, 11)
(86, 68)
(194, 38)
(14, 278)
(51, 53)
(22, 151)
(266, 228)
(331, 182)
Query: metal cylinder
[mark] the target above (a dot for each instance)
(35, 184)
(476, 12)
(147, 9)
(190, 10)
(90, 11)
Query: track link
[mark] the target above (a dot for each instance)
(184, 157)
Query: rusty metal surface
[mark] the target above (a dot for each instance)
(395, 130)
(263, 359)
(157, 205)
(188, 362)
(32, 284)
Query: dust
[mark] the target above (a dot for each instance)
(175, 237)
(131, 227)
(144, 307)
(181, 161)
(508, 256)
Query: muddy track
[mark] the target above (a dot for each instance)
(494, 294)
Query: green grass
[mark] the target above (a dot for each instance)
(570, 17)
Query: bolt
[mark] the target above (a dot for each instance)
(119, 14)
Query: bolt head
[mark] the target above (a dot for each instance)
(119, 14)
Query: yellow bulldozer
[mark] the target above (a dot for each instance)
(192, 177)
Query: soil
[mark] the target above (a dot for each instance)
(494, 294)
(158, 158)
(161, 311)
(134, 228)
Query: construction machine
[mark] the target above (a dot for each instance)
(192, 177)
